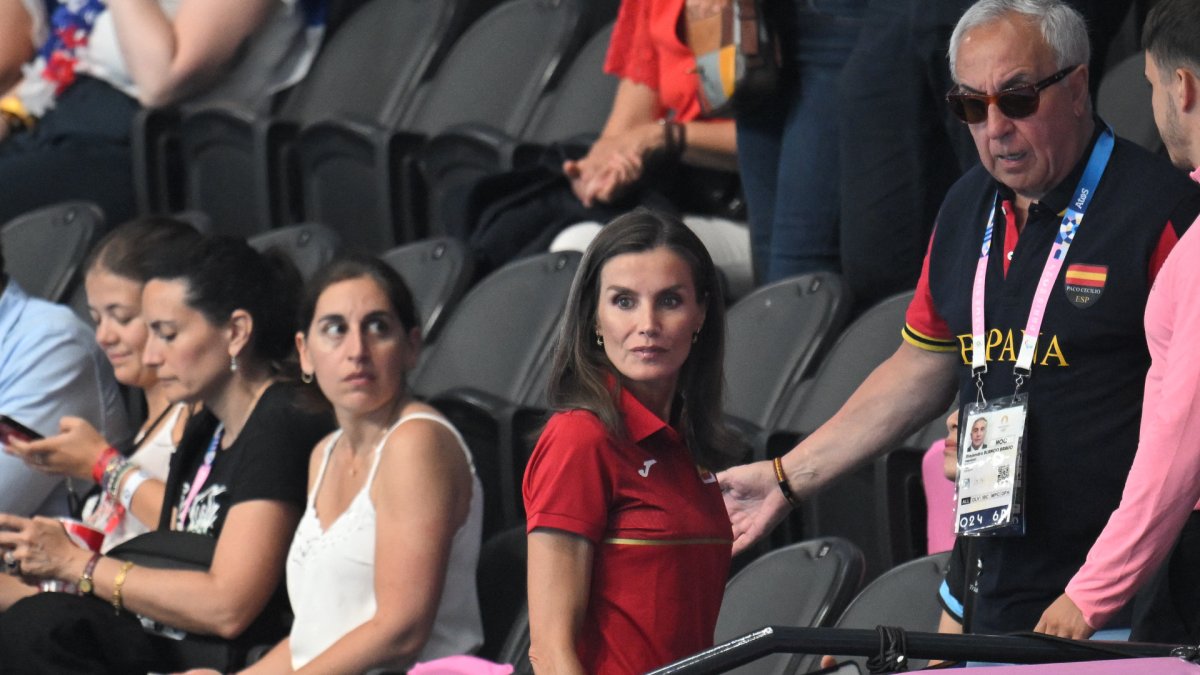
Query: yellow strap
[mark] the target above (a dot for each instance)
(12, 106)
(666, 542)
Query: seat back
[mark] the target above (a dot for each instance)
(501, 580)
(1123, 100)
(501, 331)
(309, 245)
(904, 596)
(371, 64)
(580, 104)
(437, 272)
(499, 67)
(877, 505)
(806, 584)
(236, 163)
(867, 342)
(774, 337)
(43, 249)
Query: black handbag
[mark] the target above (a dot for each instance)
(166, 549)
(737, 56)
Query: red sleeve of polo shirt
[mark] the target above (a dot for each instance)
(923, 326)
(1166, 244)
(631, 53)
(568, 482)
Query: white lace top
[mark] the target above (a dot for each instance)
(331, 573)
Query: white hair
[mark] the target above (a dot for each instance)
(1062, 27)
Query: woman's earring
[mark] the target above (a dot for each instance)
(306, 378)
(599, 339)
(233, 364)
(695, 336)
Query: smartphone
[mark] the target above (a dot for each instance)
(10, 428)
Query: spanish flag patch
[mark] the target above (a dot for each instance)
(1084, 284)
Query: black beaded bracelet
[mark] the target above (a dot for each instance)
(784, 487)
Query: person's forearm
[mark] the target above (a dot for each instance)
(633, 105)
(246, 569)
(903, 394)
(373, 644)
(17, 46)
(711, 144)
(171, 58)
(278, 661)
(147, 502)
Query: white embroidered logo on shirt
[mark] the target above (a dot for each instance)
(645, 470)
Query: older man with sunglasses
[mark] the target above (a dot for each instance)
(1029, 306)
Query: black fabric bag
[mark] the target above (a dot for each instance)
(509, 215)
(168, 549)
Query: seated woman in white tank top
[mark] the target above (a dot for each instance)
(381, 572)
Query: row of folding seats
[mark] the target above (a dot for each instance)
(790, 364)
(341, 149)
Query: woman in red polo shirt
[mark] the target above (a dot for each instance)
(629, 542)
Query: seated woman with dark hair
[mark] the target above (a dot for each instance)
(221, 325)
(619, 489)
(117, 269)
(381, 572)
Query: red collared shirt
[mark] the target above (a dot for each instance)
(658, 524)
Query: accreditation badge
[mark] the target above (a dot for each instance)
(991, 463)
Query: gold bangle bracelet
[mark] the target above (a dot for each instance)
(118, 583)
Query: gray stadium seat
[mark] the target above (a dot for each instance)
(501, 580)
(437, 272)
(485, 366)
(309, 245)
(575, 109)
(775, 337)
(43, 249)
(904, 596)
(879, 506)
(237, 163)
(806, 584)
(355, 174)
(1124, 102)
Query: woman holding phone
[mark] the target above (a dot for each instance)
(220, 320)
(117, 270)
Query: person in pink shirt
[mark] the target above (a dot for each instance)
(1157, 526)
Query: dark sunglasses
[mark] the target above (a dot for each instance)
(1014, 103)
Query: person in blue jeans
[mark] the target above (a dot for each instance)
(788, 146)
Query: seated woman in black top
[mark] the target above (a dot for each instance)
(220, 319)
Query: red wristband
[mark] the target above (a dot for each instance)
(102, 463)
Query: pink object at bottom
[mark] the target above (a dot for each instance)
(461, 665)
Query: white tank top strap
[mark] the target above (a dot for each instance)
(419, 416)
(174, 421)
(333, 439)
